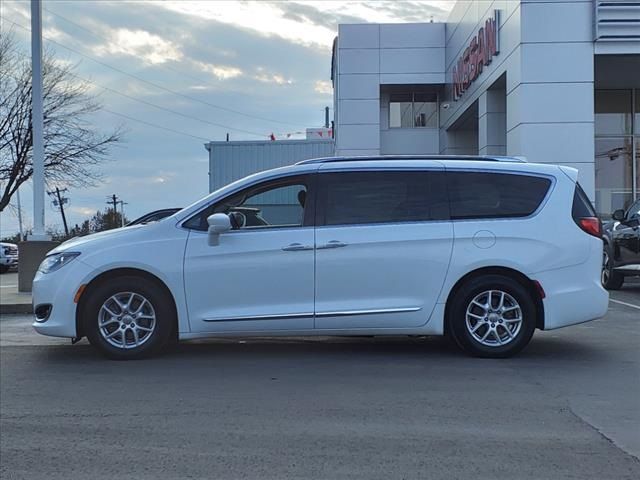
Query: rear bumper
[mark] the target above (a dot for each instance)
(573, 295)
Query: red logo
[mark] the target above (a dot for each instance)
(481, 50)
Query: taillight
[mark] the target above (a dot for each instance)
(591, 225)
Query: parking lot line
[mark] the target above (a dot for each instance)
(625, 303)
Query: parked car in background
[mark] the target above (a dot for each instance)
(621, 257)
(341, 246)
(8, 256)
(154, 216)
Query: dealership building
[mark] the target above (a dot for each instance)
(551, 81)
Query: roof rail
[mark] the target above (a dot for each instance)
(482, 158)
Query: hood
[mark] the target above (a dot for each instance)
(88, 241)
(5, 244)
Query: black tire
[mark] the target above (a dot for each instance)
(457, 317)
(611, 280)
(162, 334)
(4, 268)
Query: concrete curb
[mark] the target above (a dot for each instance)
(7, 308)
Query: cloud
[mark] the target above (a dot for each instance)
(267, 19)
(221, 72)
(85, 211)
(54, 34)
(265, 76)
(141, 44)
(323, 87)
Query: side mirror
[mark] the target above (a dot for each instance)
(218, 223)
(618, 215)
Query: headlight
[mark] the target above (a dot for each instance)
(56, 261)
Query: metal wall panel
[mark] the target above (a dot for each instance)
(230, 161)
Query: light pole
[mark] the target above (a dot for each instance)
(37, 119)
(37, 245)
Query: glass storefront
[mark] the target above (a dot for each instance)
(617, 146)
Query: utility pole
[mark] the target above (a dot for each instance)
(59, 201)
(37, 117)
(122, 204)
(113, 200)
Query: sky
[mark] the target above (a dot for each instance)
(247, 68)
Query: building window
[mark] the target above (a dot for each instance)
(637, 113)
(614, 174)
(617, 142)
(413, 110)
(613, 112)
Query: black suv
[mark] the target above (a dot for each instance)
(621, 247)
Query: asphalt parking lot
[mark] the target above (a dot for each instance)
(567, 407)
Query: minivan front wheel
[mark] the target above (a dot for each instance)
(128, 317)
(492, 316)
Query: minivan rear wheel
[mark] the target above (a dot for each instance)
(128, 318)
(492, 316)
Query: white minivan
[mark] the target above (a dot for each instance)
(484, 249)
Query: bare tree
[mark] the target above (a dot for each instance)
(72, 145)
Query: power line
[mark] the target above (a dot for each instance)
(133, 76)
(145, 102)
(150, 124)
(189, 97)
(154, 125)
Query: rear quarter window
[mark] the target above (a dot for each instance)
(581, 204)
(494, 195)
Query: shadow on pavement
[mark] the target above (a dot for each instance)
(542, 350)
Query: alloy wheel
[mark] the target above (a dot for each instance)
(494, 318)
(126, 320)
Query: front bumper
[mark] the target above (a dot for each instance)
(9, 261)
(58, 289)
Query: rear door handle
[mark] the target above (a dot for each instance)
(296, 247)
(332, 244)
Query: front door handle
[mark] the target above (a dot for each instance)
(332, 244)
(296, 247)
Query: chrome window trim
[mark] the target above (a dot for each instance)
(331, 167)
(356, 225)
(253, 230)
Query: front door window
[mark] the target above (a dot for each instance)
(279, 206)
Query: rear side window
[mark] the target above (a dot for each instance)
(348, 198)
(581, 205)
(494, 195)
